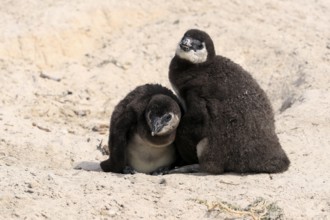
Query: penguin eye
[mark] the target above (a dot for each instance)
(197, 45)
(167, 117)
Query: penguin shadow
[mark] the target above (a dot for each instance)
(195, 170)
(88, 166)
(95, 167)
(92, 166)
(204, 174)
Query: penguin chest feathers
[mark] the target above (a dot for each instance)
(146, 157)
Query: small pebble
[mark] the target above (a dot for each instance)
(162, 181)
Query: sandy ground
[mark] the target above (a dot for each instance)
(96, 51)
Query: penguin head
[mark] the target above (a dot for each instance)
(162, 115)
(196, 46)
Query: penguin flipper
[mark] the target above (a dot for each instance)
(120, 127)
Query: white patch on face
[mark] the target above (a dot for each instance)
(172, 125)
(201, 147)
(198, 56)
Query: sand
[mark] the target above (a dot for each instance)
(64, 65)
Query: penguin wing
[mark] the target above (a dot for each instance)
(122, 123)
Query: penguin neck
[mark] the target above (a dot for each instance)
(182, 64)
(158, 140)
(183, 71)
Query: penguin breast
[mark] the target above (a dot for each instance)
(145, 157)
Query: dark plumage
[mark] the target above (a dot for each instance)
(142, 130)
(229, 123)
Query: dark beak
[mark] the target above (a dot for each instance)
(157, 123)
(156, 126)
(186, 44)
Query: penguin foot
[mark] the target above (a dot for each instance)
(193, 168)
(161, 171)
(129, 170)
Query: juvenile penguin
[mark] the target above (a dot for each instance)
(228, 125)
(142, 130)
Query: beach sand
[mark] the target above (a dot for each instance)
(64, 65)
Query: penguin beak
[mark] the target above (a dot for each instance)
(158, 123)
(185, 44)
(188, 43)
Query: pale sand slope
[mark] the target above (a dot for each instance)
(100, 50)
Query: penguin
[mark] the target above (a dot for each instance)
(142, 131)
(228, 124)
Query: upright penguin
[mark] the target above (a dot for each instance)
(142, 130)
(229, 122)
